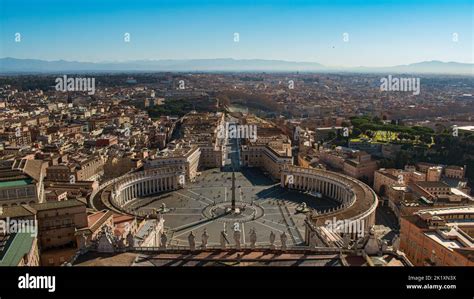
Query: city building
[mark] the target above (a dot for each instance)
(57, 223)
(439, 237)
(21, 182)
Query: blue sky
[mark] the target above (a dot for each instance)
(381, 33)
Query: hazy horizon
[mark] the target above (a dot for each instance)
(225, 58)
(12, 65)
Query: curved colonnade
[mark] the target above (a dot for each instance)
(139, 184)
(357, 200)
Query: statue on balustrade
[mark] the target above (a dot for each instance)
(237, 238)
(283, 239)
(163, 241)
(130, 240)
(191, 240)
(204, 239)
(253, 238)
(272, 240)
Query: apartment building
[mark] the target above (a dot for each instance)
(442, 237)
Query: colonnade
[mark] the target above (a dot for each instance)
(329, 187)
(144, 184)
(358, 201)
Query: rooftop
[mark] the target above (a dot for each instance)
(430, 184)
(31, 210)
(15, 183)
(13, 248)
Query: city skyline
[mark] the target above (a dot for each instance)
(337, 34)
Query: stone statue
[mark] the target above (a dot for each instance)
(163, 241)
(346, 240)
(224, 240)
(121, 243)
(253, 238)
(106, 241)
(314, 240)
(384, 247)
(272, 240)
(237, 238)
(130, 240)
(83, 241)
(396, 243)
(204, 239)
(283, 239)
(191, 240)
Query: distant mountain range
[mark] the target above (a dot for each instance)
(14, 65)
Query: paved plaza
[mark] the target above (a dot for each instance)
(265, 207)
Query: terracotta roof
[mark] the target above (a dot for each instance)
(467, 252)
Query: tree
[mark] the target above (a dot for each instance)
(346, 124)
(401, 159)
(425, 138)
(369, 134)
(331, 135)
(356, 132)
